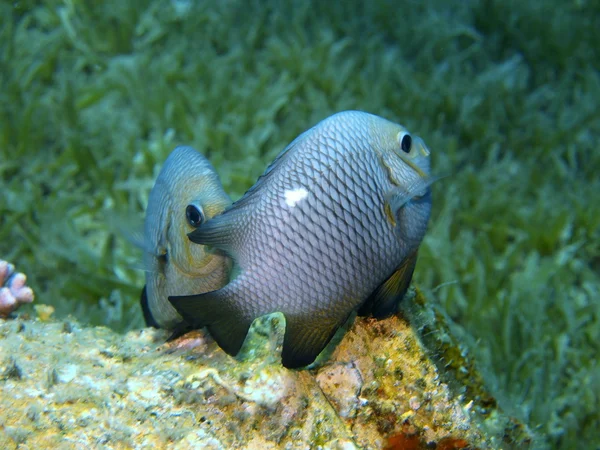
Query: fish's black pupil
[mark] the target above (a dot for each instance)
(406, 143)
(194, 215)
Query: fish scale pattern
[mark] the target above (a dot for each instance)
(335, 246)
(313, 238)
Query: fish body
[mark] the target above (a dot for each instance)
(332, 226)
(186, 193)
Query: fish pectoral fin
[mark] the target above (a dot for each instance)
(216, 310)
(396, 198)
(384, 300)
(305, 338)
(148, 317)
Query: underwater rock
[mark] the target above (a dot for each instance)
(341, 383)
(13, 291)
(64, 385)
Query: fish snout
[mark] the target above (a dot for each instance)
(420, 148)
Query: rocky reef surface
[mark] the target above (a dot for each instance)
(64, 385)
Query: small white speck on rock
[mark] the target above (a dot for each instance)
(414, 403)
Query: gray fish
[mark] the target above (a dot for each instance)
(186, 193)
(332, 226)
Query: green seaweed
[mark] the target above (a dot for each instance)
(93, 97)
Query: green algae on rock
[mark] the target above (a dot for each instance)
(71, 386)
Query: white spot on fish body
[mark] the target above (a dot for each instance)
(294, 196)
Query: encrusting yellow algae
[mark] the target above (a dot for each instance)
(66, 386)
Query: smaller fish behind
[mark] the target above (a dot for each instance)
(186, 193)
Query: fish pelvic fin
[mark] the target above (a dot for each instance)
(306, 337)
(396, 198)
(216, 310)
(179, 330)
(148, 317)
(384, 300)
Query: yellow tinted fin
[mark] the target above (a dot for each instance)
(384, 300)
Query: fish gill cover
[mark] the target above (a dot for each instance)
(93, 97)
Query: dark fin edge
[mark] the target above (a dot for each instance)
(148, 317)
(180, 329)
(305, 339)
(225, 322)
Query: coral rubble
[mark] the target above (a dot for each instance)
(62, 384)
(13, 291)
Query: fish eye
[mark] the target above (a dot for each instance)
(405, 142)
(195, 215)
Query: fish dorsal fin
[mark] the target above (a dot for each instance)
(306, 337)
(384, 300)
(220, 230)
(279, 159)
(218, 311)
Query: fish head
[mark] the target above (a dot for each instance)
(402, 153)
(405, 159)
(186, 194)
(196, 203)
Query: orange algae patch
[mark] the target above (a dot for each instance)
(450, 443)
(403, 441)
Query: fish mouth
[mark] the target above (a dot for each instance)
(416, 191)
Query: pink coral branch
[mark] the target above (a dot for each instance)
(13, 291)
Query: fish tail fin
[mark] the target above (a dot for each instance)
(218, 311)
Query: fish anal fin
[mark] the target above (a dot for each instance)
(305, 338)
(384, 300)
(217, 311)
(230, 333)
